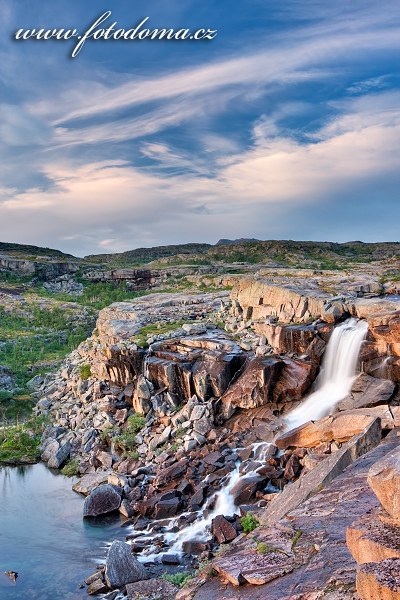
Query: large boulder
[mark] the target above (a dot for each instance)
(254, 387)
(367, 391)
(102, 500)
(371, 539)
(122, 567)
(384, 479)
(340, 427)
(59, 455)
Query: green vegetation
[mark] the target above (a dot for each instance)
(126, 441)
(262, 548)
(249, 522)
(19, 443)
(71, 468)
(155, 329)
(33, 340)
(296, 538)
(136, 423)
(95, 295)
(85, 372)
(178, 579)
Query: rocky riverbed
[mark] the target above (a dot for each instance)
(173, 413)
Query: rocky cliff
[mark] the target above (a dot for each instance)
(174, 393)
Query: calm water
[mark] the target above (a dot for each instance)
(44, 538)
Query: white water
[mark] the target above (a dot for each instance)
(337, 375)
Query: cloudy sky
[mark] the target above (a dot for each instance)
(285, 126)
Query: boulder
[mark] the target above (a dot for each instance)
(340, 427)
(60, 456)
(379, 581)
(122, 567)
(89, 482)
(222, 530)
(384, 479)
(254, 387)
(367, 391)
(246, 487)
(102, 500)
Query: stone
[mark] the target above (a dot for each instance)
(60, 456)
(151, 588)
(102, 500)
(246, 487)
(97, 585)
(89, 482)
(379, 581)
(254, 386)
(367, 391)
(370, 539)
(340, 427)
(384, 479)
(222, 530)
(122, 567)
(254, 568)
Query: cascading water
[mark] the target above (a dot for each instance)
(337, 375)
(333, 384)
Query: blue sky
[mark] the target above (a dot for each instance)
(285, 126)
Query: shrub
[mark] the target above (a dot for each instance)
(85, 372)
(136, 423)
(71, 468)
(262, 548)
(178, 579)
(249, 522)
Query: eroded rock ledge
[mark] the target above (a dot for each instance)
(170, 392)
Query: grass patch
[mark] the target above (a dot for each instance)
(85, 372)
(19, 443)
(249, 522)
(155, 329)
(178, 579)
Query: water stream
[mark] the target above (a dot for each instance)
(337, 374)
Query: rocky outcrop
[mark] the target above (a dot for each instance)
(122, 567)
(102, 500)
(384, 479)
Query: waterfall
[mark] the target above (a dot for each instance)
(337, 374)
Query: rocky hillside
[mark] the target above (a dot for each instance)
(172, 413)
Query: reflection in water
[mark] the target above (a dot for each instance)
(43, 536)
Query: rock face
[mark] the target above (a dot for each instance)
(384, 479)
(379, 581)
(102, 500)
(372, 538)
(122, 567)
(151, 588)
(368, 391)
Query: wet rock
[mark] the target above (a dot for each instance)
(384, 479)
(245, 488)
(96, 584)
(102, 500)
(222, 530)
(367, 391)
(122, 567)
(13, 575)
(379, 581)
(175, 471)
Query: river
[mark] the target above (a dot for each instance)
(44, 537)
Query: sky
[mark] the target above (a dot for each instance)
(286, 125)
